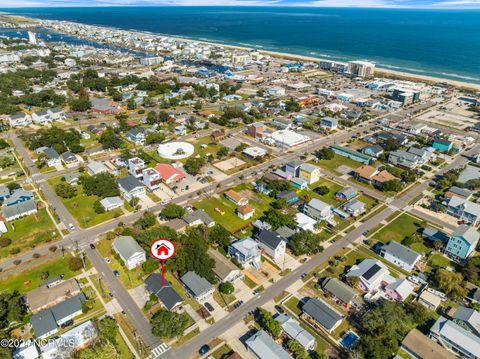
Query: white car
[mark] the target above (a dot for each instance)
(164, 202)
(71, 227)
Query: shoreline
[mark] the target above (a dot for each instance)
(379, 71)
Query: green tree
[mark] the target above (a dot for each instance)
(101, 185)
(194, 165)
(226, 288)
(75, 264)
(147, 220)
(108, 329)
(65, 190)
(297, 350)
(277, 219)
(325, 154)
(172, 210)
(305, 242)
(268, 323)
(168, 325)
(110, 140)
(97, 207)
(450, 283)
(80, 104)
(222, 152)
(12, 308)
(219, 235)
(12, 186)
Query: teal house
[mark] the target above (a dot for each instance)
(441, 144)
(462, 243)
(354, 155)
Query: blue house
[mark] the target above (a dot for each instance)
(441, 144)
(354, 155)
(462, 243)
(374, 150)
(300, 183)
(328, 123)
(346, 194)
(289, 196)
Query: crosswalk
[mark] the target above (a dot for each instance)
(157, 351)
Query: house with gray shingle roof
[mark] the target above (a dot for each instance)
(165, 293)
(129, 251)
(317, 310)
(455, 338)
(199, 287)
(19, 210)
(131, 187)
(341, 291)
(400, 255)
(293, 329)
(262, 346)
(463, 209)
(468, 318)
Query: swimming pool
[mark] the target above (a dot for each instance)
(349, 340)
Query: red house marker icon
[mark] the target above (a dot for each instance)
(162, 249)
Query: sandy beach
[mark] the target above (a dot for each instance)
(295, 57)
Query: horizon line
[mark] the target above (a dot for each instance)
(301, 6)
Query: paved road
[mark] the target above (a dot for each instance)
(134, 313)
(84, 237)
(220, 327)
(37, 177)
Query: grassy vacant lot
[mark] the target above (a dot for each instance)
(81, 207)
(337, 161)
(211, 146)
(438, 260)
(327, 198)
(340, 266)
(294, 305)
(403, 226)
(229, 218)
(27, 232)
(28, 280)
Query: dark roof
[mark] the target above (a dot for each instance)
(166, 294)
(322, 313)
(287, 195)
(129, 183)
(68, 307)
(269, 238)
(371, 271)
(339, 289)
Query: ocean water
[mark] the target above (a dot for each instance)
(442, 43)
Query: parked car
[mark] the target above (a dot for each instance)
(204, 349)
(92, 246)
(209, 307)
(71, 227)
(279, 309)
(116, 273)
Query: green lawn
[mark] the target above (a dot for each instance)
(294, 305)
(327, 198)
(338, 268)
(211, 146)
(223, 299)
(81, 207)
(438, 260)
(31, 278)
(27, 232)
(337, 161)
(130, 278)
(229, 218)
(250, 283)
(403, 226)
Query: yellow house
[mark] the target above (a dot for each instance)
(309, 172)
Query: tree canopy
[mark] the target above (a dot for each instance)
(101, 185)
(169, 325)
(306, 242)
(172, 210)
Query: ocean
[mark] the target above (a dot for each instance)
(440, 43)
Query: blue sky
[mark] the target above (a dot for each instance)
(436, 4)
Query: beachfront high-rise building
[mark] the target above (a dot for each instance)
(32, 38)
(361, 68)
